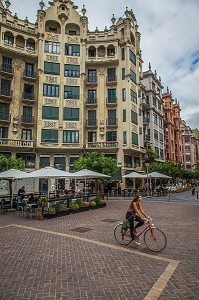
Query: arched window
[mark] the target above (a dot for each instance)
(72, 29)
(111, 50)
(53, 26)
(30, 44)
(20, 41)
(8, 38)
(91, 51)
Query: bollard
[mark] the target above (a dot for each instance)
(197, 194)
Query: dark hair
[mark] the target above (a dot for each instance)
(135, 198)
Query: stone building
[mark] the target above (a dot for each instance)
(66, 90)
(189, 147)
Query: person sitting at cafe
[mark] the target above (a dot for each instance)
(20, 196)
(31, 198)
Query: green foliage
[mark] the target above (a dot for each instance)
(42, 201)
(58, 206)
(97, 162)
(10, 163)
(151, 155)
(79, 202)
(97, 200)
(52, 211)
(74, 206)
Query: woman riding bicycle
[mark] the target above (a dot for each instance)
(135, 212)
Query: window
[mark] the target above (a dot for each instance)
(160, 122)
(9, 40)
(29, 70)
(4, 112)
(124, 94)
(133, 96)
(71, 32)
(51, 68)
(123, 73)
(111, 74)
(49, 135)
(134, 117)
(155, 119)
(7, 64)
(92, 136)
(132, 57)
(92, 52)
(28, 159)
(91, 96)
(123, 54)
(26, 134)
(27, 114)
(3, 132)
(132, 76)
(73, 158)
(71, 92)
(52, 29)
(44, 161)
(91, 117)
(161, 154)
(155, 134)
(71, 114)
(70, 136)
(28, 92)
(72, 50)
(5, 87)
(159, 105)
(51, 90)
(30, 46)
(136, 162)
(60, 162)
(134, 138)
(111, 136)
(161, 137)
(111, 51)
(128, 161)
(112, 117)
(92, 76)
(71, 70)
(124, 138)
(111, 95)
(157, 150)
(52, 47)
(50, 113)
(124, 115)
(154, 102)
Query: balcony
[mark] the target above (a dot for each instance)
(145, 104)
(111, 101)
(91, 102)
(111, 122)
(7, 69)
(111, 79)
(16, 143)
(91, 123)
(101, 145)
(27, 96)
(6, 93)
(5, 117)
(27, 120)
(91, 80)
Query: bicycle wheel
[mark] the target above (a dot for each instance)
(155, 239)
(122, 235)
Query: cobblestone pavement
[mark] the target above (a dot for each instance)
(50, 260)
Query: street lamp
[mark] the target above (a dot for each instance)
(146, 161)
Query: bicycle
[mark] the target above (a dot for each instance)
(154, 238)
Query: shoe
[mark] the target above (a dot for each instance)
(135, 243)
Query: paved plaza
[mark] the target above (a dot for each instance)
(77, 257)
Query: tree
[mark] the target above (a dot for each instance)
(10, 163)
(97, 162)
(151, 155)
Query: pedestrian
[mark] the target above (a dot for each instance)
(193, 191)
(20, 196)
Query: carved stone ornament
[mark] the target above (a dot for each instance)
(48, 124)
(101, 71)
(71, 103)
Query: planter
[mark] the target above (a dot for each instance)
(85, 208)
(58, 214)
(40, 217)
(98, 206)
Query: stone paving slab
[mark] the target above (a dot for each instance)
(49, 264)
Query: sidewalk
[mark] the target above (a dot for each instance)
(77, 257)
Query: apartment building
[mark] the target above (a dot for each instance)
(153, 113)
(196, 135)
(66, 90)
(189, 147)
(172, 128)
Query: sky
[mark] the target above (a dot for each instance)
(169, 40)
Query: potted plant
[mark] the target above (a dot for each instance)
(74, 207)
(42, 202)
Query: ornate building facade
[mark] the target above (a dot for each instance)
(189, 147)
(172, 129)
(66, 90)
